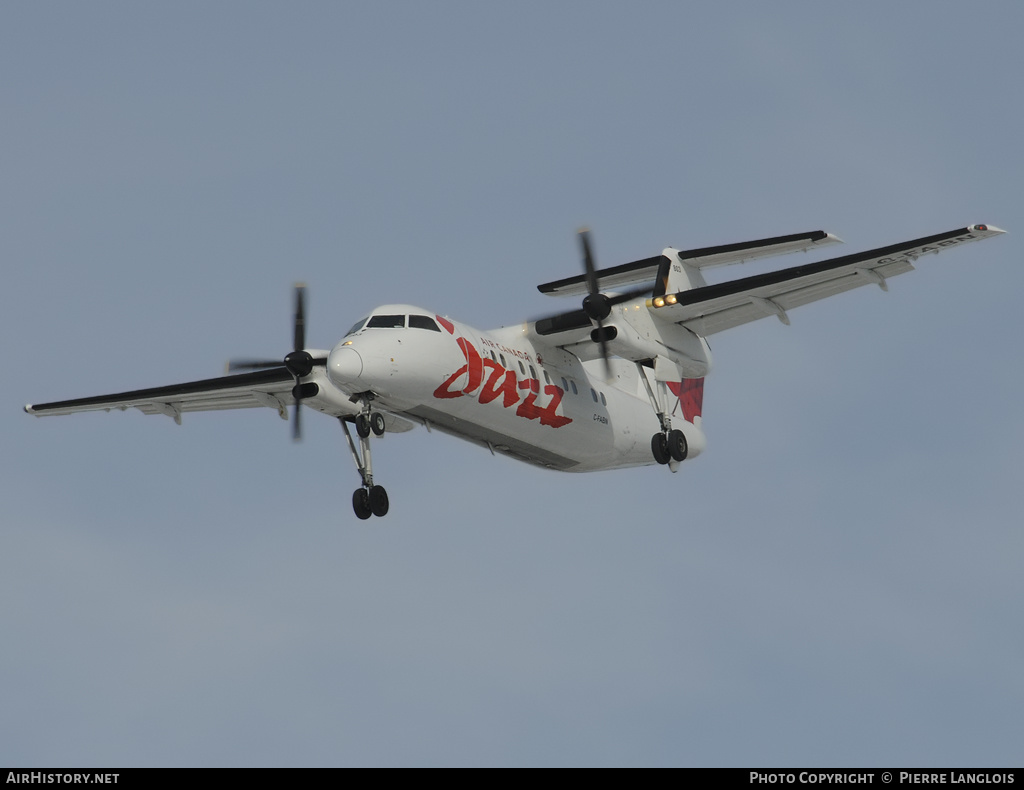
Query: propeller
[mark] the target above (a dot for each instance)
(298, 361)
(598, 306)
(595, 304)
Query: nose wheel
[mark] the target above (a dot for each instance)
(370, 422)
(369, 499)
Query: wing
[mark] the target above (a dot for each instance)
(264, 388)
(705, 257)
(715, 308)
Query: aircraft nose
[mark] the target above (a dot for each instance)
(344, 366)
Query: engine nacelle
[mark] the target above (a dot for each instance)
(638, 335)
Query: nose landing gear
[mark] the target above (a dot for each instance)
(370, 422)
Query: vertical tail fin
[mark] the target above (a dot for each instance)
(675, 275)
(691, 396)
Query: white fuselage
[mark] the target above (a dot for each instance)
(498, 389)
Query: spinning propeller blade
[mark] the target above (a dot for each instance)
(298, 361)
(300, 317)
(236, 365)
(595, 304)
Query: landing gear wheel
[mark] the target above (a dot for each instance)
(361, 504)
(377, 423)
(362, 425)
(659, 448)
(378, 500)
(677, 446)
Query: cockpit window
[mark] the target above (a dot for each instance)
(386, 322)
(358, 325)
(423, 322)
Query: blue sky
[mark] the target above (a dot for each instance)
(836, 581)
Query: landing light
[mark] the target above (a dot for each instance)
(670, 299)
(659, 302)
(347, 343)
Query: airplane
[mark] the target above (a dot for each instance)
(615, 383)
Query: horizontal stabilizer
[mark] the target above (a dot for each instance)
(715, 308)
(646, 270)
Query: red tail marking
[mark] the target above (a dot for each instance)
(691, 396)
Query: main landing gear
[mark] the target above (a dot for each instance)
(669, 446)
(370, 499)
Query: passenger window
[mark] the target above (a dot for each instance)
(603, 401)
(386, 322)
(502, 357)
(565, 385)
(423, 322)
(533, 373)
(492, 357)
(547, 378)
(522, 369)
(573, 385)
(593, 394)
